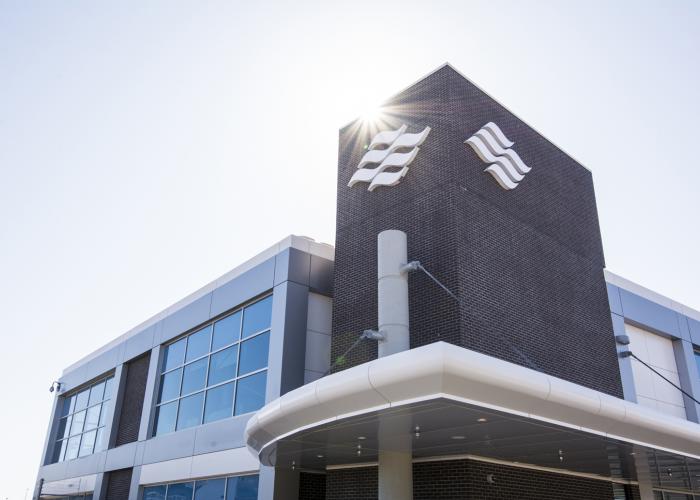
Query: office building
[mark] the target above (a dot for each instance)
(462, 339)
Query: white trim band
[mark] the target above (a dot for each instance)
(442, 370)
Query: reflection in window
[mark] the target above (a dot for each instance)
(231, 488)
(251, 393)
(216, 372)
(82, 420)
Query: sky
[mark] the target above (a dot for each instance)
(148, 147)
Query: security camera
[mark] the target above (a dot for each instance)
(55, 386)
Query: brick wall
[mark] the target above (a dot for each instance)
(312, 486)
(356, 484)
(527, 264)
(460, 479)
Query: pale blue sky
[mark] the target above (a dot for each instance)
(146, 147)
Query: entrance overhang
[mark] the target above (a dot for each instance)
(454, 402)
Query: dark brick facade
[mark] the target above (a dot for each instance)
(132, 400)
(118, 484)
(461, 479)
(312, 486)
(527, 264)
(359, 484)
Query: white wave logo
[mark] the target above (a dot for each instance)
(493, 147)
(388, 157)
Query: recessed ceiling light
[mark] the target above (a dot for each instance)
(361, 438)
(482, 419)
(457, 437)
(319, 456)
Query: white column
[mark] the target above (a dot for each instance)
(641, 463)
(392, 296)
(395, 475)
(395, 458)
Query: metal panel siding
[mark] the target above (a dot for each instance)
(649, 314)
(614, 299)
(132, 402)
(694, 326)
(249, 284)
(527, 264)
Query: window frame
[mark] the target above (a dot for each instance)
(237, 343)
(60, 443)
(194, 484)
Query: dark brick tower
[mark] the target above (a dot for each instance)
(527, 264)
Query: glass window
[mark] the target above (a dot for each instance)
(165, 418)
(99, 443)
(254, 354)
(154, 492)
(81, 401)
(97, 392)
(87, 443)
(697, 360)
(220, 488)
(222, 366)
(198, 344)
(242, 488)
(170, 385)
(194, 376)
(108, 388)
(63, 427)
(103, 416)
(250, 395)
(72, 448)
(68, 405)
(190, 412)
(214, 358)
(226, 331)
(174, 354)
(211, 489)
(256, 317)
(180, 491)
(219, 403)
(92, 418)
(83, 423)
(59, 450)
(78, 421)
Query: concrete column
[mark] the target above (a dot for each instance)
(395, 459)
(641, 463)
(278, 484)
(394, 481)
(392, 296)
